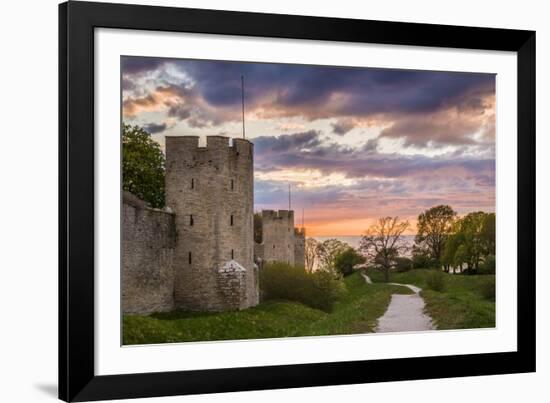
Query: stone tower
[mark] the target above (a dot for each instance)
(211, 190)
(278, 236)
(300, 247)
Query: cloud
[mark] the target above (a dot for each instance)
(341, 127)
(139, 64)
(208, 93)
(154, 128)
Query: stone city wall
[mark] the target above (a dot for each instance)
(148, 241)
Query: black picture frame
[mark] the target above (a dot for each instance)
(77, 379)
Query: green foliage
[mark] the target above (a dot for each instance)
(433, 227)
(346, 260)
(403, 264)
(357, 311)
(488, 266)
(472, 241)
(461, 305)
(142, 166)
(326, 253)
(319, 289)
(421, 260)
(436, 281)
(488, 288)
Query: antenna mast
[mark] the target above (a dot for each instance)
(242, 99)
(289, 197)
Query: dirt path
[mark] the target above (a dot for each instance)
(405, 313)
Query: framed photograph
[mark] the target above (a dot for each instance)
(257, 201)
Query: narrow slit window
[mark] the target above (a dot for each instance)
(192, 183)
(191, 221)
(232, 254)
(231, 220)
(232, 184)
(190, 258)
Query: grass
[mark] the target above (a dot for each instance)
(356, 311)
(463, 302)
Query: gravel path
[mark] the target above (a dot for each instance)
(405, 313)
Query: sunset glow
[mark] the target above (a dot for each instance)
(353, 144)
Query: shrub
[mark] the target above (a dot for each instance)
(488, 289)
(488, 265)
(283, 281)
(403, 264)
(423, 261)
(436, 281)
(346, 260)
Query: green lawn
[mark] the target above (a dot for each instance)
(356, 312)
(464, 303)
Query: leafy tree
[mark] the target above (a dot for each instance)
(381, 243)
(488, 234)
(472, 242)
(433, 227)
(142, 166)
(327, 251)
(310, 253)
(346, 260)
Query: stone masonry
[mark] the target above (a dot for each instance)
(149, 239)
(211, 190)
(300, 247)
(281, 242)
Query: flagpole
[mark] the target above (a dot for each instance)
(242, 99)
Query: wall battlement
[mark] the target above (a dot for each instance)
(281, 241)
(214, 145)
(278, 215)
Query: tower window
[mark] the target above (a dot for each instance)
(273, 246)
(232, 254)
(231, 219)
(232, 184)
(192, 183)
(191, 222)
(190, 258)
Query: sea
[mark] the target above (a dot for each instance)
(354, 240)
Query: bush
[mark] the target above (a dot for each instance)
(488, 265)
(346, 260)
(436, 281)
(283, 281)
(403, 264)
(423, 261)
(488, 289)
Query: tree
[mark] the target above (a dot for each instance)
(381, 243)
(142, 166)
(488, 234)
(310, 254)
(327, 251)
(472, 242)
(433, 227)
(346, 260)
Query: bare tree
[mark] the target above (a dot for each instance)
(381, 243)
(311, 253)
(327, 252)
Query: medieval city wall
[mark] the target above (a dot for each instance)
(148, 242)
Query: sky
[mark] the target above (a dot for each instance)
(353, 143)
